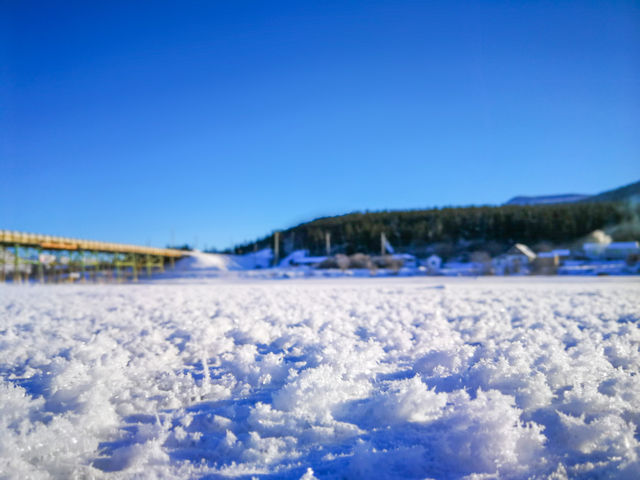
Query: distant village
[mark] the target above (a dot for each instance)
(592, 258)
(78, 260)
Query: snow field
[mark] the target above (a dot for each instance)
(353, 379)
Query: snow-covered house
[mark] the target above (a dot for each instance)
(299, 258)
(515, 261)
(547, 263)
(594, 249)
(611, 251)
(406, 259)
(560, 253)
(463, 268)
(520, 249)
(433, 264)
(621, 250)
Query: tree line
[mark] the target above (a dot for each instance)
(451, 230)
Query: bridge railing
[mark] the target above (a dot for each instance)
(71, 258)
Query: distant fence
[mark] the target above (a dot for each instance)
(46, 258)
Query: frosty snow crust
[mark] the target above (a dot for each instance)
(317, 381)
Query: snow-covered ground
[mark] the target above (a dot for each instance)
(344, 378)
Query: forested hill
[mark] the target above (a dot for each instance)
(622, 194)
(452, 231)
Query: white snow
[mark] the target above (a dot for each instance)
(300, 257)
(199, 265)
(197, 262)
(337, 378)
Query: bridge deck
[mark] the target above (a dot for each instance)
(48, 242)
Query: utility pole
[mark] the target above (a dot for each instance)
(383, 242)
(276, 248)
(327, 243)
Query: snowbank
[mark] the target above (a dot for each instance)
(355, 379)
(199, 265)
(199, 262)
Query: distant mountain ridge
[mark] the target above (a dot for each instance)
(616, 195)
(547, 199)
(453, 231)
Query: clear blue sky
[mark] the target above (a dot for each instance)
(222, 121)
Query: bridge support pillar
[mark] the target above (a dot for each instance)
(16, 264)
(82, 266)
(3, 274)
(135, 267)
(40, 267)
(117, 264)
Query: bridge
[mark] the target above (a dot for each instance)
(45, 258)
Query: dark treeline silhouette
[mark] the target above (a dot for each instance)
(452, 230)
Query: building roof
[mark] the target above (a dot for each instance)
(622, 245)
(522, 249)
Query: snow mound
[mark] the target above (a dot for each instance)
(201, 265)
(202, 262)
